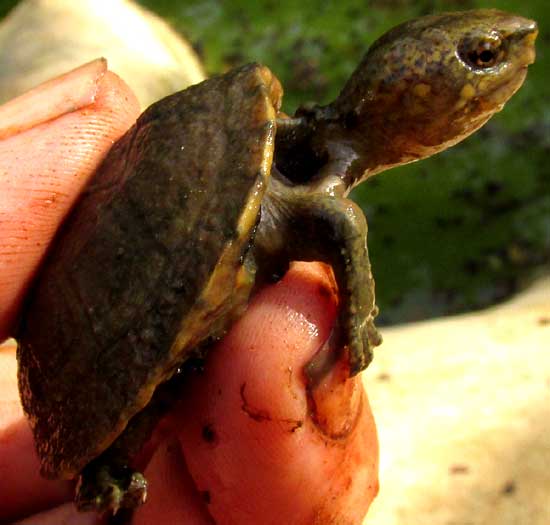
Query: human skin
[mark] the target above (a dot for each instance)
(249, 442)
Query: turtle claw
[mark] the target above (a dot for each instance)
(110, 488)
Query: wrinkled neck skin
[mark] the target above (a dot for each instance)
(339, 146)
(354, 149)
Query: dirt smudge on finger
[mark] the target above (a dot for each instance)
(261, 415)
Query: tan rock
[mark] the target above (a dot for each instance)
(41, 39)
(463, 411)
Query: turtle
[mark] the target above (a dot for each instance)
(212, 192)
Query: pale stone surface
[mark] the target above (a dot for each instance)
(463, 412)
(41, 39)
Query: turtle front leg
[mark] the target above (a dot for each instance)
(320, 227)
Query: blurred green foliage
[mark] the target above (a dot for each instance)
(459, 231)
(6, 5)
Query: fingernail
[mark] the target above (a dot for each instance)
(64, 94)
(334, 398)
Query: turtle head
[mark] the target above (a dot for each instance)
(429, 83)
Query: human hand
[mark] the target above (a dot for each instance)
(249, 442)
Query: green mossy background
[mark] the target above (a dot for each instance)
(456, 232)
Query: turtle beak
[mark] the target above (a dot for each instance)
(523, 36)
(528, 29)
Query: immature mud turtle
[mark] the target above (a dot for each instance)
(211, 188)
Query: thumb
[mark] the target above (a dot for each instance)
(257, 448)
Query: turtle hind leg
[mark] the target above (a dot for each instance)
(109, 487)
(107, 483)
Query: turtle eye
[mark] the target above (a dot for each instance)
(482, 53)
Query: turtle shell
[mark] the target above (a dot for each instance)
(147, 265)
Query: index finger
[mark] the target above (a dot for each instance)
(51, 143)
